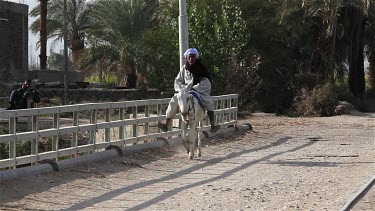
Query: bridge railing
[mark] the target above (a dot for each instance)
(4, 102)
(63, 132)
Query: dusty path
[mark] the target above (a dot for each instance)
(284, 164)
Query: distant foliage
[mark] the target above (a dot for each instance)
(4, 89)
(56, 61)
(4, 149)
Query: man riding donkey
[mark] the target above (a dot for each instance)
(192, 72)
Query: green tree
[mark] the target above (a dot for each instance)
(274, 44)
(220, 33)
(341, 39)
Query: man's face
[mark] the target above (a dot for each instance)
(191, 58)
(26, 85)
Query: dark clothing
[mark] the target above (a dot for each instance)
(18, 98)
(198, 70)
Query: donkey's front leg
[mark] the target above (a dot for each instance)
(185, 137)
(192, 139)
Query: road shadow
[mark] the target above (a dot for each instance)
(164, 195)
(19, 188)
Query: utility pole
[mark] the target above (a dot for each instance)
(66, 62)
(183, 31)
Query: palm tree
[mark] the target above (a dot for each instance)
(78, 22)
(115, 37)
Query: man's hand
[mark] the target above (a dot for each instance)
(189, 85)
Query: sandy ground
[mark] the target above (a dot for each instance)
(283, 164)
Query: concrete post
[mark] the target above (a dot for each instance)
(183, 31)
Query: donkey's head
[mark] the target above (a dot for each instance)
(186, 105)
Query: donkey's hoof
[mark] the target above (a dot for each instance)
(191, 155)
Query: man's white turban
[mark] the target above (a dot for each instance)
(191, 51)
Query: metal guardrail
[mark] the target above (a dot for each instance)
(116, 123)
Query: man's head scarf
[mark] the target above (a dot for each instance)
(191, 51)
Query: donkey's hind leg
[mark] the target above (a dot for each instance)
(199, 131)
(192, 140)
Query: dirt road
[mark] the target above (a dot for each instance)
(283, 164)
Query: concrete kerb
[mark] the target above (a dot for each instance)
(105, 155)
(357, 196)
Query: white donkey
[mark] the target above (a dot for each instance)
(192, 114)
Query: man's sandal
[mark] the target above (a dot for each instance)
(163, 127)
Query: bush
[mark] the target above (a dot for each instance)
(321, 101)
(4, 89)
(3, 147)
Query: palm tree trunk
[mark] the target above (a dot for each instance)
(43, 34)
(77, 45)
(356, 57)
(372, 70)
(100, 72)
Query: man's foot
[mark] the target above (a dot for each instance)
(215, 128)
(163, 127)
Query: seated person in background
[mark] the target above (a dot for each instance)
(18, 98)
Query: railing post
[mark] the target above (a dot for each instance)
(216, 108)
(228, 106)
(135, 126)
(12, 145)
(236, 105)
(34, 142)
(222, 114)
(147, 114)
(121, 128)
(107, 136)
(159, 109)
(231, 116)
(55, 139)
(75, 123)
(93, 120)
